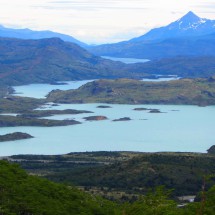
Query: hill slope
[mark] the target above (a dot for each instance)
(182, 172)
(172, 47)
(186, 67)
(51, 60)
(24, 194)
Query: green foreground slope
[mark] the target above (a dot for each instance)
(30, 195)
(24, 194)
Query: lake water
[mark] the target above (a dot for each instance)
(179, 128)
(126, 60)
(41, 90)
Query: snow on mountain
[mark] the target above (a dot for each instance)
(192, 21)
(189, 25)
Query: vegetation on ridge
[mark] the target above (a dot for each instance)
(125, 91)
(127, 172)
(25, 194)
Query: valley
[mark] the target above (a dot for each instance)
(130, 133)
(120, 171)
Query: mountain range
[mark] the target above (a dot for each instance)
(190, 25)
(188, 36)
(51, 60)
(30, 34)
(184, 48)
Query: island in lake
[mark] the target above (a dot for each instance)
(12, 121)
(95, 118)
(103, 106)
(200, 91)
(122, 119)
(14, 136)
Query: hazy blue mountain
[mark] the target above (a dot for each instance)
(50, 60)
(30, 34)
(184, 66)
(188, 36)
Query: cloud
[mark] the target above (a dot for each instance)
(92, 5)
(99, 20)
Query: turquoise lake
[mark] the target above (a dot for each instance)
(178, 128)
(41, 90)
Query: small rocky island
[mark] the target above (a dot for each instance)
(122, 119)
(141, 109)
(104, 106)
(155, 111)
(95, 118)
(15, 136)
(148, 109)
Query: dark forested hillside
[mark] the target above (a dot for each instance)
(182, 172)
(184, 66)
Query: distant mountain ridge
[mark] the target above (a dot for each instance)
(52, 60)
(188, 36)
(30, 34)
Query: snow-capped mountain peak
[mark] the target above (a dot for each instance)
(190, 25)
(190, 16)
(190, 21)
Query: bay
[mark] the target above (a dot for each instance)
(41, 90)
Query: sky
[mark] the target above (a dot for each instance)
(99, 21)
